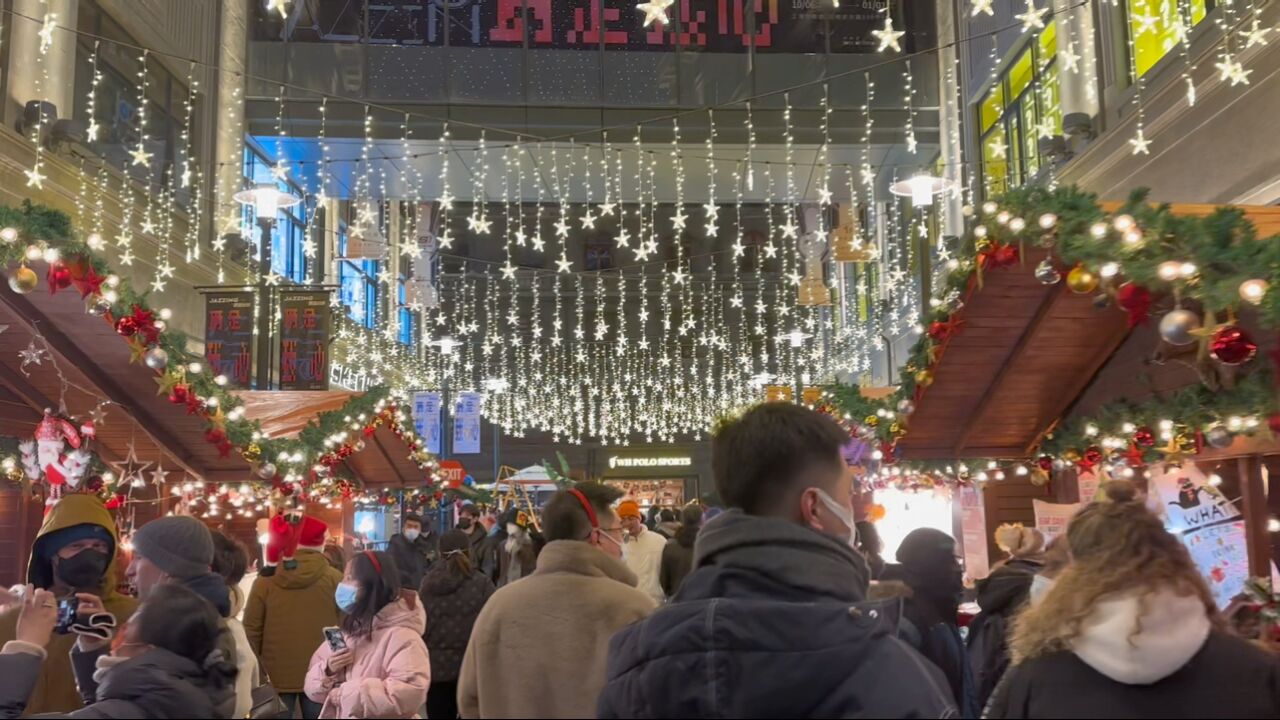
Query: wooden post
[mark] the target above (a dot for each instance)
(1272, 463)
(1254, 508)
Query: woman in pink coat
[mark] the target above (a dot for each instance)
(384, 670)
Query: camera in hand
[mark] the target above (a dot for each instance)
(67, 609)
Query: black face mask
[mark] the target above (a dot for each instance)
(464, 523)
(82, 571)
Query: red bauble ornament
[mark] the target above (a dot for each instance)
(1273, 422)
(1231, 345)
(127, 326)
(1136, 301)
(1144, 437)
(224, 448)
(286, 489)
(1045, 463)
(1005, 255)
(59, 277)
(179, 394)
(1093, 455)
(215, 436)
(370, 430)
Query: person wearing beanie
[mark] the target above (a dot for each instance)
(75, 550)
(1001, 596)
(287, 612)
(642, 550)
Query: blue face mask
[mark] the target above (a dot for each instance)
(345, 596)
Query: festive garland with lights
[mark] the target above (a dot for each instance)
(1132, 257)
(37, 232)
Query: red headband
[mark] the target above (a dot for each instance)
(591, 513)
(373, 559)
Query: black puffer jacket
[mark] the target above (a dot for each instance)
(156, 684)
(769, 624)
(1001, 595)
(452, 603)
(677, 559)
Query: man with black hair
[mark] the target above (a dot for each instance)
(414, 549)
(774, 609)
(559, 618)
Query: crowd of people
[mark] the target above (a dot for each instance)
(780, 606)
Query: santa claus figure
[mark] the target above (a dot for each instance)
(45, 457)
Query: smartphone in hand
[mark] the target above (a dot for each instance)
(67, 609)
(334, 636)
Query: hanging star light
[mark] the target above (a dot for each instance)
(1069, 58)
(140, 155)
(887, 36)
(563, 265)
(789, 229)
(509, 271)
(1257, 35)
(46, 31)
(1146, 22)
(1226, 67)
(999, 149)
(159, 475)
(1046, 129)
(34, 178)
(655, 11)
(31, 356)
(130, 469)
(1141, 145)
(1032, 19)
(982, 6)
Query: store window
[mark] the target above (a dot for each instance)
(1020, 108)
(408, 319)
(290, 231)
(1154, 27)
(358, 284)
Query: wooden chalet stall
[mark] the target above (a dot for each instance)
(1026, 357)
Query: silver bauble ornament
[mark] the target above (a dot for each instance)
(866, 432)
(1047, 274)
(266, 471)
(98, 306)
(906, 406)
(156, 358)
(1219, 437)
(1177, 325)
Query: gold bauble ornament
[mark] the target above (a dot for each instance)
(1039, 477)
(1071, 455)
(14, 475)
(982, 245)
(252, 452)
(871, 421)
(23, 280)
(924, 378)
(897, 428)
(1082, 280)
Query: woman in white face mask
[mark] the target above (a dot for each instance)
(1056, 559)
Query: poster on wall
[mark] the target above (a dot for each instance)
(228, 336)
(1088, 483)
(426, 419)
(304, 340)
(973, 533)
(1209, 525)
(466, 424)
(1052, 518)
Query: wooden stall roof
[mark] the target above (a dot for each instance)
(95, 360)
(384, 462)
(1023, 355)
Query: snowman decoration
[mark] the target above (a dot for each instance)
(44, 457)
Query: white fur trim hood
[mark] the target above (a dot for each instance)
(1170, 630)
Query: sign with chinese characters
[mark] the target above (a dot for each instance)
(228, 336)
(426, 419)
(1209, 525)
(304, 340)
(1052, 518)
(973, 533)
(466, 423)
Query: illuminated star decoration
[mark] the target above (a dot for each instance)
(887, 36)
(98, 415)
(140, 155)
(655, 11)
(46, 31)
(158, 476)
(999, 149)
(1069, 59)
(563, 265)
(1032, 19)
(1141, 145)
(34, 178)
(1257, 35)
(31, 356)
(1233, 70)
(982, 6)
(91, 132)
(1146, 22)
(1045, 129)
(131, 468)
(509, 271)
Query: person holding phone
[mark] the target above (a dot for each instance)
(376, 664)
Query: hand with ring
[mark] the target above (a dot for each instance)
(38, 618)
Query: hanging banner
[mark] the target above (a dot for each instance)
(466, 424)
(1087, 483)
(426, 419)
(1052, 518)
(973, 533)
(304, 340)
(228, 336)
(1209, 524)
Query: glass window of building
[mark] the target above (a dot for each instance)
(358, 283)
(1157, 26)
(1022, 106)
(290, 231)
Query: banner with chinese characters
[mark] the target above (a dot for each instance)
(1209, 525)
(1052, 518)
(228, 336)
(304, 340)
(426, 419)
(466, 424)
(973, 533)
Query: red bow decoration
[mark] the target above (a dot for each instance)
(145, 322)
(1134, 456)
(1136, 301)
(87, 280)
(999, 255)
(940, 330)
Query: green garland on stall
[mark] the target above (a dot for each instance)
(46, 227)
(1223, 246)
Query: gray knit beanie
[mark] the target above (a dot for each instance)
(179, 545)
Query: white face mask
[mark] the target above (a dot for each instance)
(845, 516)
(412, 534)
(1039, 586)
(513, 529)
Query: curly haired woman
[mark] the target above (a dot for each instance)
(1130, 630)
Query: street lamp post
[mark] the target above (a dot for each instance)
(267, 200)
